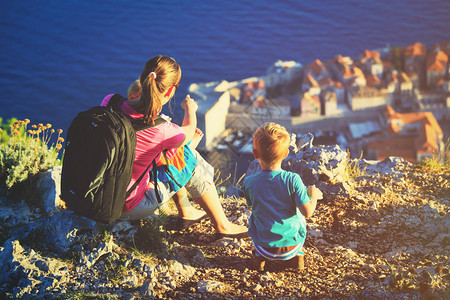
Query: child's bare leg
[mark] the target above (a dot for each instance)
(184, 206)
(258, 262)
(209, 201)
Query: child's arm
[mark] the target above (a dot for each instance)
(308, 209)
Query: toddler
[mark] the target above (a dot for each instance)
(279, 201)
(134, 90)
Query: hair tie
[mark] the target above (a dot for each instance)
(154, 75)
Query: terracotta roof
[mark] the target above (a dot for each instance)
(309, 80)
(387, 64)
(325, 81)
(416, 49)
(437, 61)
(445, 46)
(387, 110)
(403, 77)
(422, 117)
(316, 67)
(316, 99)
(427, 139)
(372, 80)
(346, 72)
(370, 54)
(358, 72)
(402, 146)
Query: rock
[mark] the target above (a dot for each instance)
(104, 248)
(253, 168)
(234, 192)
(183, 270)
(28, 268)
(304, 142)
(379, 189)
(315, 233)
(210, 286)
(49, 186)
(314, 164)
(147, 290)
(198, 258)
(130, 279)
(14, 213)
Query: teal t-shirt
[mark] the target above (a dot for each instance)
(274, 196)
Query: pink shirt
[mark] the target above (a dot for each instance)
(149, 145)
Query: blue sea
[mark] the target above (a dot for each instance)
(61, 57)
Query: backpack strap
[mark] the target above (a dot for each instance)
(155, 180)
(115, 102)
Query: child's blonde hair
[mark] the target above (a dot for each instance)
(134, 90)
(271, 141)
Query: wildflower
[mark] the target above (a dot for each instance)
(48, 125)
(58, 146)
(1, 130)
(16, 132)
(52, 131)
(60, 131)
(61, 140)
(33, 126)
(30, 131)
(27, 121)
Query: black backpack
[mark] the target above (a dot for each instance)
(98, 161)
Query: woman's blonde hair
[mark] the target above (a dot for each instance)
(159, 74)
(271, 141)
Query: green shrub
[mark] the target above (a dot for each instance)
(439, 162)
(4, 137)
(151, 236)
(27, 153)
(352, 167)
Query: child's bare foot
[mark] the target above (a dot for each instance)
(196, 139)
(296, 262)
(258, 262)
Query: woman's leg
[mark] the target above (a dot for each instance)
(209, 201)
(203, 190)
(185, 209)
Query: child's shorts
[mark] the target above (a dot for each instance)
(279, 253)
(202, 178)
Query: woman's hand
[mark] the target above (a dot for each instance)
(189, 105)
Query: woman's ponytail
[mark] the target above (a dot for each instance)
(160, 73)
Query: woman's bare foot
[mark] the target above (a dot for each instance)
(191, 213)
(229, 228)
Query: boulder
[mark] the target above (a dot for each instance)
(49, 186)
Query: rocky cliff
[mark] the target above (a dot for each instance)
(381, 232)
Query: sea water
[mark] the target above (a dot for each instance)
(61, 57)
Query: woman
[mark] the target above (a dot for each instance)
(159, 81)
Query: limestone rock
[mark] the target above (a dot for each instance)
(49, 186)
